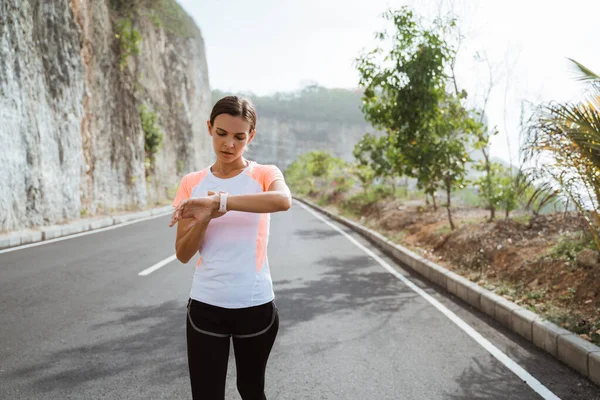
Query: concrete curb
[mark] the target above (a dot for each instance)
(20, 238)
(569, 348)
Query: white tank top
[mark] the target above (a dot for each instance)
(233, 269)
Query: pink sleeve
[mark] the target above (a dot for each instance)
(183, 192)
(270, 175)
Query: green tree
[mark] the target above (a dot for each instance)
(320, 163)
(403, 88)
(364, 174)
(488, 183)
(405, 95)
(453, 135)
(340, 175)
(316, 170)
(508, 194)
(299, 177)
(380, 155)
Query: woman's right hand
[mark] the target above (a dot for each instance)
(201, 209)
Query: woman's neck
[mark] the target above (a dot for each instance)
(228, 168)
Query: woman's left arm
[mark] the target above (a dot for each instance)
(277, 198)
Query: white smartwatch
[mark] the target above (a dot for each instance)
(222, 202)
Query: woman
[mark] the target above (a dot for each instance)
(223, 211)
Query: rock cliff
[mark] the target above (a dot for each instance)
(102, 106)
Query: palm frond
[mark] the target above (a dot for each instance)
(579, 124)
(585, 74)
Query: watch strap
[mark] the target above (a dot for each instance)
(222, 202)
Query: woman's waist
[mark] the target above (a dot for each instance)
(232, 294)
(226, 274)
(230, 266)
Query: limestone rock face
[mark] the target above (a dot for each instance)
(280, 141)
(71, 137)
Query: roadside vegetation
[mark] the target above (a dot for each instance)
(529, 232)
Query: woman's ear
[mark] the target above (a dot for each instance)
(252, 134)
(209, 126)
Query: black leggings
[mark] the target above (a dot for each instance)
(209, 329)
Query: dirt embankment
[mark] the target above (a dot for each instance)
(544, 263)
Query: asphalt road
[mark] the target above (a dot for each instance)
(77, 321)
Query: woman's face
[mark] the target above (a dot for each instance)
(230, 136)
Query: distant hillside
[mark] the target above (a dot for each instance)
(315, 118)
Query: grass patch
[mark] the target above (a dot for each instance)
(357, 202)
(535, 294)
(505, 289)
(570, 244)
(322, 200)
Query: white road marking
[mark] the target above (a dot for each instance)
(158, 265)
(533, 383)
(26, 246)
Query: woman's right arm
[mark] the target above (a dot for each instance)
(189, 241)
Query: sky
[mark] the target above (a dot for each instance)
(266, 46)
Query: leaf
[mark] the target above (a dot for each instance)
(584, 73)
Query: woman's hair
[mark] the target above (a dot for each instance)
(236, 107)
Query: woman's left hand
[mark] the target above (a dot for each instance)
(198, 208)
